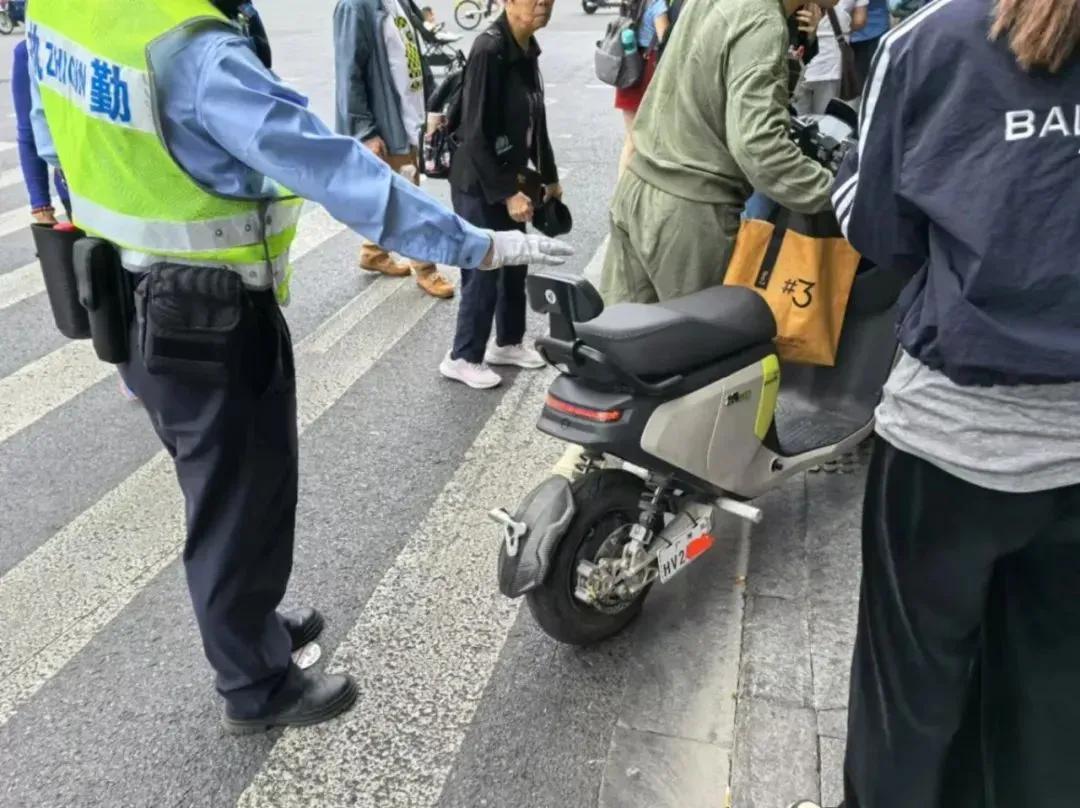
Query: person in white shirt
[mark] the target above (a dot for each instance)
(381, 101)
(821, 79)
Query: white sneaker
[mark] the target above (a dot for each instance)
(479, 377)
(514, 355)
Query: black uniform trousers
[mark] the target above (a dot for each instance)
(234, 445)
(488, 295)
(965, 688)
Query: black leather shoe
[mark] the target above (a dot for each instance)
(321, 696)
(303, 624)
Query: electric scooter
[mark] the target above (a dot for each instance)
(681, 408)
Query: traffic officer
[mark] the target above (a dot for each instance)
(188, 154)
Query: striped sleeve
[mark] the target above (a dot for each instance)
(881, 223)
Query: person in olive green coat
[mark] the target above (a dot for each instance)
(712, 128)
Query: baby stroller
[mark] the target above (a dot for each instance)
(438, 47)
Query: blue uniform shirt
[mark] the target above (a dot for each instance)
(231, 124)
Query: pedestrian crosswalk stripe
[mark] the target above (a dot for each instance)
(6, 146)
(15, 220)
(596, 264)
(340, 323)
(427, 641)
(13, 176)
(36, 389)
(57, 598)
(33, 391)
(19, 284)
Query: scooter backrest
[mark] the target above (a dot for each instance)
(564, 296)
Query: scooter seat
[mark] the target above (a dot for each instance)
(661, 339)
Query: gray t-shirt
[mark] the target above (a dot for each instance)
(1014, 439)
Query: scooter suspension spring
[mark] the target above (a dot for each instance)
(655, 488)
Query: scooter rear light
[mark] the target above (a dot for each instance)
(589, 414)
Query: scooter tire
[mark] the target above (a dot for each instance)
(6, 23)
(589, 8)
(604, 498)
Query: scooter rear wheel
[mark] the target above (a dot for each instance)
(608, 501)
(7, 25)
(589, 8)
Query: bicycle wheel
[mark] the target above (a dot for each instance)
(7, 26)
(467, 14)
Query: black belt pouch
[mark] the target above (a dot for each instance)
(105, 292)
(55, 253)
(190, 322)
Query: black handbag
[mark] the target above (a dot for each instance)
(438, 145)
(553, 218)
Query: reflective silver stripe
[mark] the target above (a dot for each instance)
(177, 237)
(261, 275)
(101, 88)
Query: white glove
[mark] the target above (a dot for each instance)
(512, 247)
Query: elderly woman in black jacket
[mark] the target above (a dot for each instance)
(503, 130)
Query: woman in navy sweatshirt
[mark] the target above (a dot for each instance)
(967, 656)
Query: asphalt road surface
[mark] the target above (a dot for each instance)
(105, 697)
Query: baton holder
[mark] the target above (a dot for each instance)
(55, 253)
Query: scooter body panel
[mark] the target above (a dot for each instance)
(717, 431)
(623, 438)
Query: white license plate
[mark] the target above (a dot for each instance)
(673, 558)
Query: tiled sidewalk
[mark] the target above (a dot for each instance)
(798, 631)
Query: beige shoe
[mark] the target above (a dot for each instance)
(372, 259)
(434, 283)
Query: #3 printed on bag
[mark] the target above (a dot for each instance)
(805, 279)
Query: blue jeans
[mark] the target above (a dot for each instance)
(758, 206)
(35, 170)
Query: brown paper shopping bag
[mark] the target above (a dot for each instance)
(803, 267)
